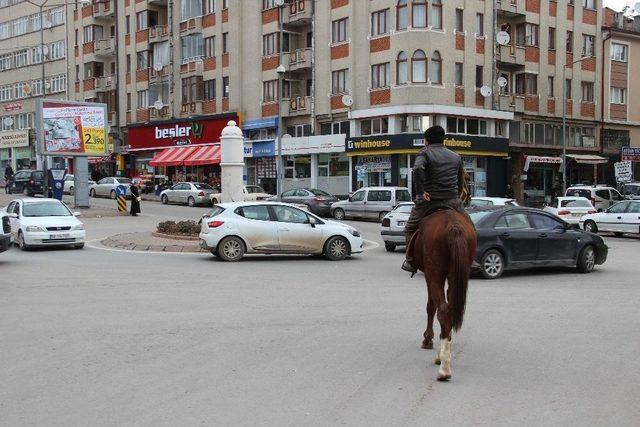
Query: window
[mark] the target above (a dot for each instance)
(380, 75)
(192, 47)
(402, 15)
(402, 72)
(128, 101)
(466, 126)
(459, 74)
(127, 25)
(225, 4)
(339, 81)
(210, 47)
(459, 20)
(518, 220)
(128, 63)
(479, 72)
(419, 14)
(58, 83)
(550, 86)
(552, 38)
(270, 91)
(270, 44)
(527, 35)
(190, 9)
(435, 71)
(544, 222)
(527, 84)
(617, 208)
(339, 30)
(588, 43)
(569, 42)
(379, 196)
(380, 22)
(20, 58)
(259, 213)
(191, 89)
(589, 4)
(289, 214)
(143, 99)
(57, 50)
(618, 95)
(479, 24)
(587, 91)
(419, 67)
(225, 43)
(436, 14)
(141, 20)
(358, 196)
(619, 52)
(209, 6)
(142, 60)
(375, 126)
(209, 90)
(567, 88)
(5, 62)
(225, 87)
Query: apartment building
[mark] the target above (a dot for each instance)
(621, 113)
(23, 60)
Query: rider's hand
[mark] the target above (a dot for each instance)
(426, 196)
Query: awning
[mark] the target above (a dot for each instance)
(204, 155)
(591, 159)
(172, 156)
(541, 159)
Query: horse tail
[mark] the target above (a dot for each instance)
(458, 277)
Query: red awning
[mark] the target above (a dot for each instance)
(172, 156)
(204, 155)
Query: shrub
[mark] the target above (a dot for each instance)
(189, 228)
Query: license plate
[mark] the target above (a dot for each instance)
(402, 223)
(59, 236)
(577, 214)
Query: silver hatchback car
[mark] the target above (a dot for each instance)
(190, 193)
(370, 203)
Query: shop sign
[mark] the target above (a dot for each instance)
(541, 159)
(263, 149)
(14, 139)
(12, 106)
(177, 133)
(248, 149)
(631, 154)
(373, 163)
(313, 144)
(409, 141)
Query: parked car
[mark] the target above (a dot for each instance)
(570, 209)
(370, 203)
(513, 237)
(250, 193)
(317, 201)
(191, 193)
(44, 222)
(232, 230)
(601, 196)
(623, 217)
(631, 191)
(492, 201)
(106, 187)
(69, 184)
(28, 182)
(393, 226)
(5, 231)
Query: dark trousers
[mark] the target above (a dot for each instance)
(421, 210)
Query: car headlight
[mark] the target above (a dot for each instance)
(35, 229)
(354, 232)
(78, 227)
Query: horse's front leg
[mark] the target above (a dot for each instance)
(427, 342)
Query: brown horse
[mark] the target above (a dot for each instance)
(444, 252)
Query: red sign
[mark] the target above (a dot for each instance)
(200, 130)
(14, 106)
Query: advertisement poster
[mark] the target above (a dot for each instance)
(73, 128)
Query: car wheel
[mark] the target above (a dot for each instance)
(590, 226)
(337, 248)
(381, 216)
(25, 191)
(390, 246)
(92, 193)
(78, 246)
(618, 234)
(215, 253)
(338, 214)
(72, 191)
(587, 260)
(214, 201)
(191, 201)
(492, 264)
(112, 194)
(231, 249)
(21, 244)
(164, 199)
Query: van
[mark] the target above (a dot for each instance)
(370, 203)
(601, 196)
(631, 191)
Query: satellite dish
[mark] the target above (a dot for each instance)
(279, 2)
(158, 104)
(502, 81)
(286, 135)
(157, 66)
(347, 100)
(503, 38)
(485, 91)
(8, 121)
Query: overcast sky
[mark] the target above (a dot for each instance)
(619, 4)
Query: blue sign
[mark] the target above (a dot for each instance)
(264, 149)
(121, 190)
(56, 182)
(631, 154)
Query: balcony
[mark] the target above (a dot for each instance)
(105, 47)
(161, 114)
(297, 106)
(195, 67)
(511, 56)
(158, 2)
(105, 83)
(104, 10)
(157, 76)
(298, 13)
(299, 59)
(511, 102)
(511, 7)
(159, 33)
(193, 25)
(191, 109)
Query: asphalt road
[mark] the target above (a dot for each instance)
(104, 337)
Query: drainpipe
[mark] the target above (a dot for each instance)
(602, 100)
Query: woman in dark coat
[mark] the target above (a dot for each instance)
(135, 199)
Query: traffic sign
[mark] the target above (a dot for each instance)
(623, 171)
(121, 190)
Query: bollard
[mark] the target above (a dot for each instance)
(121, 192)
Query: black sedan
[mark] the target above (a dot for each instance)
(317, 201)
(512, 237)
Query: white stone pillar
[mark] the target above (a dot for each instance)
(232, 164)
(314, 172)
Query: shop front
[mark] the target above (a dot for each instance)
(15, 150)
(260, 164)
(386, 160)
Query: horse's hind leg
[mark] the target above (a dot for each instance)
(427, 342)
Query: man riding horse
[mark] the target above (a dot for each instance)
(438, 182)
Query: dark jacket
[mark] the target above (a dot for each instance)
(439, 172)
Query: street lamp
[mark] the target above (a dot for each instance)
(564, 122)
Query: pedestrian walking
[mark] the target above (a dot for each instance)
(135, 199)
(8, 176)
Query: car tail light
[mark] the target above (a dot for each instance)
(201, 194)
(591, 211)
(319, 199)
(215, 224)
(564, 212)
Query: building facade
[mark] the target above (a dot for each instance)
(24, 60)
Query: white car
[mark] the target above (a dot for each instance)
(393, 226)
(231, 230)
(44, 222)
(106, 187)
(570, 209)
(249, 193)
(69, 184)
(602, 197)
(492, 201)
(623, 217)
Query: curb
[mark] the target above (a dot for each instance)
(173, 236)
(114, 242)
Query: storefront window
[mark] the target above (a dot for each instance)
(373, 171)
(403, 171)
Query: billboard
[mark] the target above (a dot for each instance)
(66, 128)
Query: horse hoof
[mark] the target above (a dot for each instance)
(428, 345)
(444, 377)
(437, 361)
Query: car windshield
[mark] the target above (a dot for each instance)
(403, 208)
(203, 186)
(45, 209)
(575, 204)
(254, 189)
(632, 190)
(576, 192)
(319, 192)
(124, 180)
(478, 215)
